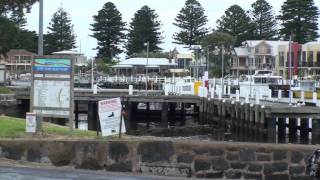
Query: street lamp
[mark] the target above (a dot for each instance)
(147, 44)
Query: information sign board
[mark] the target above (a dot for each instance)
(110, 117)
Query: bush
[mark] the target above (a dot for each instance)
(4, 90)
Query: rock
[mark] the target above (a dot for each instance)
(61, 153)
(232, 174)
(263, 157)
(201, 151)
(184, 158)
(296, 156)
(232, 156)
(34, 156)
(200, 165)
(89, 163)
(155, 151)
(247, 155)
(270, 168)
(296, 170)
(301, 178)
(120, 167)
(277, 177)
(252, 176)
(212, 175)
(254, 167)
(12, 152)
(238, 165)
(216, 152)
(279, 155)
(219, 164)
(118, 150)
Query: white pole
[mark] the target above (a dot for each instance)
(290, 73)
(130, 90)
(279, 94)
(315, 98)
(237, 96)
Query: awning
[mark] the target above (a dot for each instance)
(122, 66)
(150, 66)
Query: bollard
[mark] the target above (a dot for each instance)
(130, 90)
(279, 94)
(95, 89)
(247, 98)
(302, 96)
(237, 96)
(315, 98)
(257, 98)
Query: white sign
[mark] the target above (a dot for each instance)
(110, 116)
(54, 94)
(31, 123)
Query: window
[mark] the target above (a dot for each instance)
(281, 59)
(310, 56)
(318, 58)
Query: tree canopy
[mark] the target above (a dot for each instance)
(299, 18)
(264, 20)
(237, 23)
(108, 28)
(191, 22)
(60, 35)
(144, 27)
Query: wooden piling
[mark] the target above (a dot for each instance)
(304, 131)
(293, 127)
(164, 115)
(315, 131)
(271, 129)
(281, 130)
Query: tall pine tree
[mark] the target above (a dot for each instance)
(60, 35)
(8, 35)
(264, 20)
(144, 28)
(299, 18)
(236, 22)
(191, 21)
(108, 29)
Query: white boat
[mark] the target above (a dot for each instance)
(258, 84)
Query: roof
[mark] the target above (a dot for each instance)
(313, 43)
(13, 52)
(273, 44)
(67, 52)
(241, 51)
(145, 61)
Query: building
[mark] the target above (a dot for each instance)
(79, 58)
(138, 66)
(18, 61)
(305, 60)
(255, 55)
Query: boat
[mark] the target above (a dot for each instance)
(258, 83)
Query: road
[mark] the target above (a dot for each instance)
(32, 173)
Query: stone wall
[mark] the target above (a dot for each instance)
(169, 158)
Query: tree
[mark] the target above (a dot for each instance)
(213, 43)
(60, 35)
(264, 20)
(237, 23)
(299, 17)
(8, 35)
(144, 28)
(27, 40)
(191, 21)
(108, 29)
(15, 5)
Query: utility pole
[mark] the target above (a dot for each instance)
(40, 40)
(147, 44)
(290, 71)
(222, 69)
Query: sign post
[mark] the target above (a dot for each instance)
(52, 88)
(110, 115)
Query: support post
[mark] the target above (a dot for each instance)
(164, 115)
(315, 131)
(293, 123)
(281, 130)
(304, 131)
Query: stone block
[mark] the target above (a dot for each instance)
(201, 151)
(120, 167)
(254, 167)
(263, 157)
(270, 168)
(252, 176)
(277, 177)
(297, 170)
(296, 156)
(12, 152)
(200, 165)
(232, 156)
(210, 175)
(164, 169)
(247, 155)
(33, 155)
(216, 152)
(185, 158)
(118, 150)
(89, 163)
(279, 155)
(233, 174)
(238, 165)
(301, 178)
(61, 153)
(155, 151)
(219, 164)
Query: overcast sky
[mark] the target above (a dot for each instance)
(81, 12)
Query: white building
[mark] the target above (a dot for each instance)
(138, 66)
(80, 59)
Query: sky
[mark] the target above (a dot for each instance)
(81, 12)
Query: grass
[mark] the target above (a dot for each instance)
(15, 128)
(4, 90)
